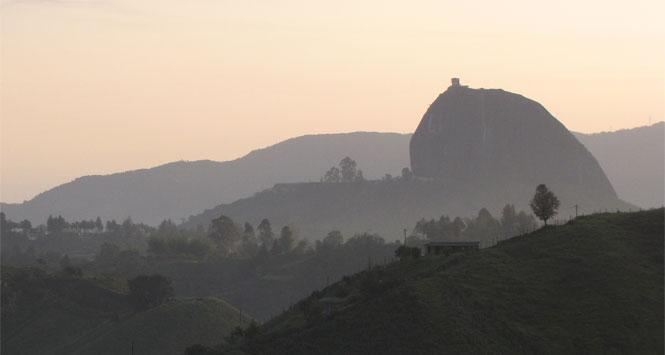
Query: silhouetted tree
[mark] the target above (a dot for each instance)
(98, 225)
(332, 176)
(333, 240)
(407, 175)
(301, 247)
(56, 224)
(483, 226)
(224, 232)
(286, 239)
(265, 233)
(249, 245)
(525, 222)
(276, 247)
(348, 169)
(544, 204)
(508, 220)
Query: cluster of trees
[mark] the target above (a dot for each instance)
(59, 224)
(482, 227)
(407, 175)
(232, 240)
(224, 238)
(168, 241)
(45, 245)
(346, 171)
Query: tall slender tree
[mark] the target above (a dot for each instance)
(544, 204)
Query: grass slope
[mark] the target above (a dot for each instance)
(594, 285)
(50, 314)
(168, 329)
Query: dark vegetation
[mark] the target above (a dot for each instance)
(544, 203)
(593, 285)
(261, 270)
(149, 291)
(55, 313)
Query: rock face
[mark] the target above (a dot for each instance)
(503, 139)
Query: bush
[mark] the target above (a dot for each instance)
(404, 252)
(149, 291)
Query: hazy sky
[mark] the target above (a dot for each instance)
(92, 87)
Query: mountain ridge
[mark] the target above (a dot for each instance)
(207, 194)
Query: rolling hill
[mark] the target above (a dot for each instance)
(633, 160)
(594, 285)
(46, 314)
(178, 189)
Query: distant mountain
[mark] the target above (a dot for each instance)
(634, 161)
(473, 149)
(480, 136)
(593, 286)
(178, 189)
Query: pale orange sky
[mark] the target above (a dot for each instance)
(93, 87)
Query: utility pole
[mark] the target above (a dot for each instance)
(575, 211)
(404, 236)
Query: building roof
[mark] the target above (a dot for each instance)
(472, 243)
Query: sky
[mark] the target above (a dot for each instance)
(95, 87)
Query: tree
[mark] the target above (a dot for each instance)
(301, 247)
(332, 176)
(404, 252)
(56, 224)
(525, 222)
(248, 230)
(98, 225)
(167, 229)
(544, 204)
(25, 225)
(249, 244)
(333, 240)
(348, 169)
(224, 232)
(265, 233)
(407, 175)
(484, 226)
(149, 291)
(359, 176)
(286, 239)
(508, 220)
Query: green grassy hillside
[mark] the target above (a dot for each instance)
(594, 285)
(48, 314)
(167, 329)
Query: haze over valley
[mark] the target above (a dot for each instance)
(310, 177)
